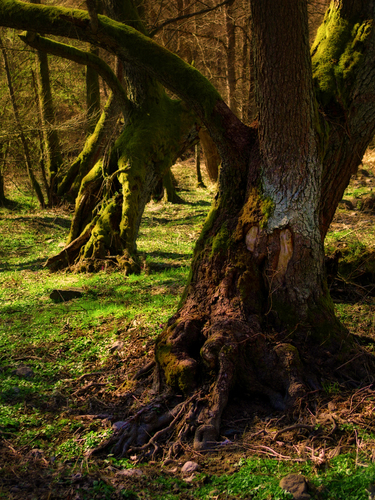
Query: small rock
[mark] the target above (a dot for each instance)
(60, 295)
(23, 372)
(189, 468)
(61, 245)
(130, 473)
(296, 485)
(117, 346)
(172, 471)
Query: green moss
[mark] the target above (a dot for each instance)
(221, 240)
(104, 237)
(256, 212)
(179, 373)
(336, 55)
(267, 208)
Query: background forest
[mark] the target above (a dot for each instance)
(67, 366)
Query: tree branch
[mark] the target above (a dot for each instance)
(187, 16)
(139, 50)
(84, 58)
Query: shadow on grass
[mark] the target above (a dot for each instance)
(162, 262)
(48, 222)
(152, 220)
(30, 265)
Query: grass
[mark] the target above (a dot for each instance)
(51, 417)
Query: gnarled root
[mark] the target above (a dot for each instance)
(233, 355)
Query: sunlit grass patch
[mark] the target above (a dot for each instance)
(342, 478)
(59, 343)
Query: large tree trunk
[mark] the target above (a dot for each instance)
(257, 314)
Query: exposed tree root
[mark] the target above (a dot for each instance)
(167, 424)
(68, 255)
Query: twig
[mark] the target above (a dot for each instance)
(86, 375)
(88, 386)
(145, 369)
(350, 360)
(291, 428)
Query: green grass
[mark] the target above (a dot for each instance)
(62, 342)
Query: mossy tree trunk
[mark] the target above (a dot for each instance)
(256, 314)
(112, 194)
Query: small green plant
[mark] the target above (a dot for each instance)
(331, 388)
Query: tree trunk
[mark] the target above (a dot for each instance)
(3, 157)
(169, 188)
(211, 155)
(17, 118)
(92, 94)
(231, 58)
(256, 314)
(200, 182)
(52, 160)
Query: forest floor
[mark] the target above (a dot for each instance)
(66, 368)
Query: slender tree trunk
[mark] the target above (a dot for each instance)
(211, 155)
(200, 182)
(92, 94)
(53, 159)
(231, 58)
(21, 134)
(43, 154)
(3, 158)
(169, 187)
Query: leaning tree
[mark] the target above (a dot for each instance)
(256, 313)
(140, 134)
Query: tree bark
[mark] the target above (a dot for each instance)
(231, 57)
(4, 152)
(211, 155)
